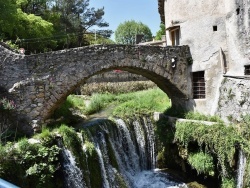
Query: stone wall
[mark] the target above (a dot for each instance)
(238, 35)
(116, 76)
(234, 100)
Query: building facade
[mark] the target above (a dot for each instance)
(218, 34)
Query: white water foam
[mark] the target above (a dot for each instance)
(155, 179)
(241, 169)
(73, 175)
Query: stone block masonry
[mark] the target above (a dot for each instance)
(40, 83)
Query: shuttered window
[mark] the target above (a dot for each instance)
(199, 87)
(247, 70)
(175, 35)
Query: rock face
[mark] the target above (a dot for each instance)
(234, 99)
(39, 83)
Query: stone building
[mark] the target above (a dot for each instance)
(218, 34)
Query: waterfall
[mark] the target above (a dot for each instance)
(101, 160)
(124, 153)
(72, 174)
(241, 169)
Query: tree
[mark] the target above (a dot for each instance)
(127, 31)
(8, 14)
(77, 17)
(97, 39)
(43, 25)
(160, 32)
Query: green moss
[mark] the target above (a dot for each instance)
(72, 142)
(111, 154)
(94, 168)
(120, 180)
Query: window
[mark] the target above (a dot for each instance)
(247, 69)
(238, 11)
(175, 35)
(215, 28)
(199, 88)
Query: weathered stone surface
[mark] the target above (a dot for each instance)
(43, 81)
(234, 100)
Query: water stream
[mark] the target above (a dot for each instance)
(73, 177)
(241, 169)
(126, 156)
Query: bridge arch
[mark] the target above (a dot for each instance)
(44, 81)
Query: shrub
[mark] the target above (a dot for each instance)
(202, 162)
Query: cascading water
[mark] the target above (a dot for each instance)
(73, 177)
(125, 155)
(241, 169)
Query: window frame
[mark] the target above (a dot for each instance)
(174, 35)
(199, 85)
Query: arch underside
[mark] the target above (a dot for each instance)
(162, 82)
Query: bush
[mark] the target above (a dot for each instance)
(202, 162)
(29, 165)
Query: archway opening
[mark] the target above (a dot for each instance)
(116, 92)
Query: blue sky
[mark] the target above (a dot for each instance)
(118, 11)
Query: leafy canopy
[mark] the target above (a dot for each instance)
(127, 31)
(49, 24)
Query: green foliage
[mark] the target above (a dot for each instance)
(202, 162)
(6, 104)
(72, 103)
(12, 45)
(160, 32)
(46, 136)
(202, 117)
(142, 102)
(8, 18)
(127, 104)
(126, 32)
(40, 26)
(228, 183)
(98, 102)
(97, 39)
(29, 165)
(70, 139)
(164, 131)
(218, 139)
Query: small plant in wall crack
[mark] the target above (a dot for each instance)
(230, 95)
(6, 104)
(51, 82)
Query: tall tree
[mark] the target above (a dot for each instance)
(77, 17)
(126, 32)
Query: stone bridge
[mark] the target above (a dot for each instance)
(39, 83)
